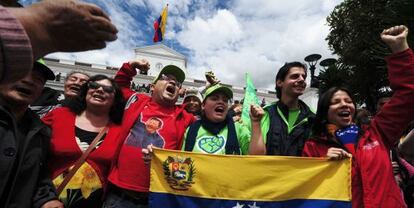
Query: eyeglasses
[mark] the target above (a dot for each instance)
(95, 86)
(168, 79)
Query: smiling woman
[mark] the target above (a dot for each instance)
(336, 137)
(74, 127)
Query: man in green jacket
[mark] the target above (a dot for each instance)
(286, 124)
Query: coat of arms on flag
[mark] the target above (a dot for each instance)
(179, 172)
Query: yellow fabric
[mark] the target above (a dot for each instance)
(85, 179)
(257, 178)
(164, 15)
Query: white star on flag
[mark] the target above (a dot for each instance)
(253, 205)
(238, 205)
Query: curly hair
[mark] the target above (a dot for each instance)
(78, 104)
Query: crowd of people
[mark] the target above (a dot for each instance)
(91, 146)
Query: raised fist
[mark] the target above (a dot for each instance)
(211, 78)
(142, 65)
(396, 38)
(256, 113)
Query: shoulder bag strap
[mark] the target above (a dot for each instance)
(80, 161)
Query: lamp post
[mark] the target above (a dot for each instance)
(312, 60)
(327, 62)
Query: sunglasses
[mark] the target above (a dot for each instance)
(95, 86)
(168, 79)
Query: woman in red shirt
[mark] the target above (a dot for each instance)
(337, 137)
(74, 127)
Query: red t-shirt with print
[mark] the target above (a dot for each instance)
(160, 126)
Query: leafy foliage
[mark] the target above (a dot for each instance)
(355, 27)
(335, 75)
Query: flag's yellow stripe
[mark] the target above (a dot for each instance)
(164, 15)
(259, 178)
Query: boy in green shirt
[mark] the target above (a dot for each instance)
(216, 132)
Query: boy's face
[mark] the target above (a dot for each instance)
(216, 107)
(294, 83)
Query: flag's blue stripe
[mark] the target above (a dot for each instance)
(162, 200)
(159, 21)
(159, 34)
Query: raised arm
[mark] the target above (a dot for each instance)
(398, 112)
(29, 33)
(83, 26)
(257, 145)
(127, 72)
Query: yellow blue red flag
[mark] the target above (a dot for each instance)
(159, 25)
(185, 179)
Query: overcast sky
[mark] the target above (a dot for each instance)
(230, 37)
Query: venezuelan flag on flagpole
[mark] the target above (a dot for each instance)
(159, 25)
(185, 179)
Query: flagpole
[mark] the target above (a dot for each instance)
(171, 43)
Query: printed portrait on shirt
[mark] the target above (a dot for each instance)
(144, 133)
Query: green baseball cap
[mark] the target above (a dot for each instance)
(176, 71)
(46, 71)
(218, 88)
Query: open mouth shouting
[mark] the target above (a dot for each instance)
(171, 88)
(219, 110)
(217, 113)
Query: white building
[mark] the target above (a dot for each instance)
(158, 56)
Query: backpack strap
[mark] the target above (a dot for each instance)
(191, 135)
(232, 143)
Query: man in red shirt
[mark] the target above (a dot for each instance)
(129, 177)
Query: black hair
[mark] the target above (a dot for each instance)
(321, 118)
(78, 103)
(283, 72)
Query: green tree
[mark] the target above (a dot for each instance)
(334, 75)
(355, 27)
